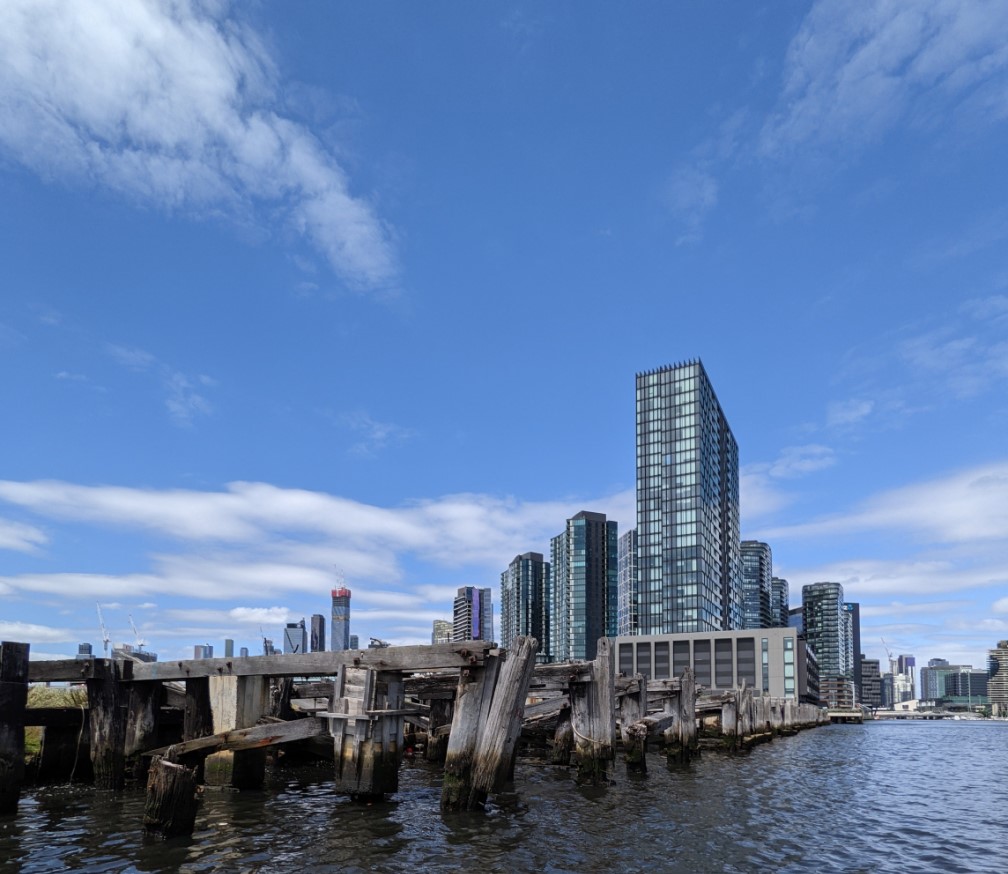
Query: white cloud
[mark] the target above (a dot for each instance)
(182, 400)
(376, 435)
(854, 70)
(175, 104)
(691, 193)
(1000, 606)
(19, 537)
(849, 412)
(25, 631)
(760, 492)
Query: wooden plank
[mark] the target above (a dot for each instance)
(547, 708)
(394, 658)
(256, 737)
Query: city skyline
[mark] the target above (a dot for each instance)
(297, 288)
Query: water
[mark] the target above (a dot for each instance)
(887, 797)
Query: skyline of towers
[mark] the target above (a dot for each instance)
(340, 619)
(688, 549)
(583, 558)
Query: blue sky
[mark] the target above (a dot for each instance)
(295, 290)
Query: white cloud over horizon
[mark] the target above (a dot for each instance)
(175, 105)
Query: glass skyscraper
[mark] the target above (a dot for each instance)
(340, 619)
(585, 583)
(757, 590)
(472, 614)
(626, 570)
(688, 563)
(525, 602)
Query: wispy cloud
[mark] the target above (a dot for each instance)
(760, 483)
(854, 70)
(842, 414)
(176, 105)
(183, 399)
(19, 537)
(690, 194)
(374, 435)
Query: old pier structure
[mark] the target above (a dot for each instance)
(181, 724)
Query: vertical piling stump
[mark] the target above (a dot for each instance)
(472, 704)
(13, 700)
(563, 739)
(593, 719)
(197, 720)
(143, 719)
(107, 723)
(172, 798)
(633, 707)
(437, 742)
(237, 702)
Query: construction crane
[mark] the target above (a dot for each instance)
(139, 642)
(104, 631)
(892, 661)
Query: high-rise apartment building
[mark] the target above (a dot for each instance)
(441, 631)
(525, 603)
(626, 585)
(997, 678)
(585, 585)
(689, 578)
(757, 588)
(828, 631)
(340, 619)
(871, 683)
(318, 633)
(472, 614)
(295, 638)
(779, 603)
(853, 628)
(906, 667)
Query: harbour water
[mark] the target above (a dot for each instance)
(885, 796)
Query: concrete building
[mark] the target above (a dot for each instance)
(689, 577)
(441, 632)
(317, 642)
(585, 584)
(340, 619)
(472, 614)
(997, 678)
(295, 638)
(626, 585)
(757, 589)
(525, 603)
(776, 661)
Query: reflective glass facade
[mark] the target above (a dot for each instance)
(757, 572)
(827, 628)
(688, 563)
(525, 598)
(779, 607)
(626, 610)
(585, 582)
(340, 619)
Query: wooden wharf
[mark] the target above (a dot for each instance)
(180, 725)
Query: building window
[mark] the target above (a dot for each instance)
(765, 647)
(626, 659)
(644, 659)
(702, 662)
(745, 648)
(661, 660)
(680, 657)
(723, 674)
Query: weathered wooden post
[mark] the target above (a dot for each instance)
(437, 742)
(237, 702)
(197, 720)
(172, 798)
(489, 706)
(13, 700)
(729, 720)
(108, 727)
(687, 713)
(633, 707)
(593, 718)
(142, 722)
(563, 739)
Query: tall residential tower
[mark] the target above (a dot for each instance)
(689, 577)
(525, 602)
(340, 619)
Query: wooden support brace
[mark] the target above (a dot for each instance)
(13, 699)
(143, 720)
(108, 725)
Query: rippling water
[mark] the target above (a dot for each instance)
(887, 796)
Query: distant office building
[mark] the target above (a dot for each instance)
(626, 585)
(317, 642)
(472, 614)
(828, 630)
(268, 648)
(906, 666)
(965, 688)
(243, 652)
(779, 606)
(203, 651)
(354, 642)
(341, 619)
(295, 638)
(775, 661)
(853, 629)
(888, 691)
(932, 679)
(584, 570)
(689, 577)
(84, 652)
(871, 683)
(228, 648)
(997, 678)
(757, 593)
(525, 603)
(441, 631)
(796, 618)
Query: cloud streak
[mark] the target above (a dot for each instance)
(175, 105)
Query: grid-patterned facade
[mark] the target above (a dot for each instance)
(997, 678)
(585, 582)
(871, 683)
(687, 505)
(525, 599)
(340, 619)
(626, 571)
(757, 590)
(779, 605)
(827, 628)
(472, 614)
